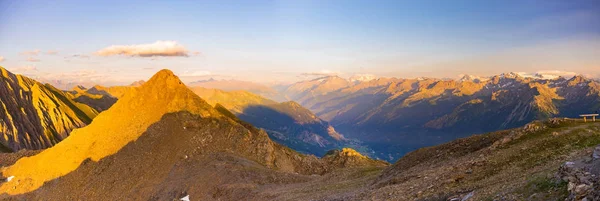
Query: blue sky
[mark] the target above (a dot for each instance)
(279, 41)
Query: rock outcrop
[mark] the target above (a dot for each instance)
(583, 177)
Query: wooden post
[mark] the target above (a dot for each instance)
(584, 119)
(594, 118)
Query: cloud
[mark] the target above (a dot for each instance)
(76, 56)
(196, 53)
(321, 73)
(52, 52)
(158, 48)
(362, 77)
(557, 73)
(81, 56)
(548, 74)
(1, 59)
(31, 53)
(31, 59)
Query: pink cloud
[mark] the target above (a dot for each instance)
(158, 48)
(31, 53)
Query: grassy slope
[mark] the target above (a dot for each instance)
(506, 164)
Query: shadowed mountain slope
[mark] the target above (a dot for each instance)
(100, 102)
(101, 98)
(287, 123)
(36, 116)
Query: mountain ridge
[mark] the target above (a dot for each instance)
(37, 116)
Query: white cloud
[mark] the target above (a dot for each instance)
(52, 52)
(362, 77)
(557, 73)
(1, 59)
(31, 59)
(31, 53)
(82, 56)
(547, 74)
(158, 48)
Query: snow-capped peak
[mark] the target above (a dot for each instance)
(362, 77)
(514, 75)
(471, 78)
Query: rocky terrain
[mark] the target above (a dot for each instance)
(36, 116)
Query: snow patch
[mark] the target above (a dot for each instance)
(186, 198)
(10, 178)
(362, 77)
(472, 78)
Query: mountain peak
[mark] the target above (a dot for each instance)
(577, 80)
(471, 78)
(511, 75)
(164, 78)
(79, 88)
(137, 83)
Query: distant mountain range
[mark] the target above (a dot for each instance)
(412, 113)
(36, 116)
(381, 117)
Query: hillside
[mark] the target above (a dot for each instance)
(36, 116)
(173, 140)
(518, 164)
(400, 115)
(287, 123)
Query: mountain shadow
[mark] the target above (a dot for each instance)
(294, 129)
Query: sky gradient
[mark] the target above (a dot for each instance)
(283, 41)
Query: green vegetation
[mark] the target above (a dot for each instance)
(545, 188)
